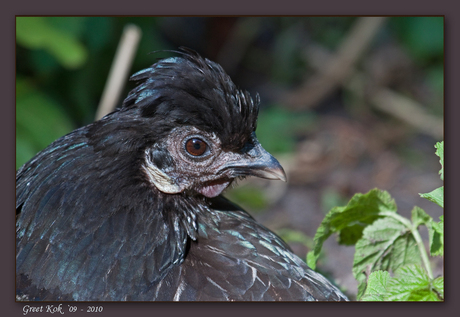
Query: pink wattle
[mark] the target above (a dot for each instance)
(213, 189)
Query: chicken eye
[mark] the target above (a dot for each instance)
(196, 147)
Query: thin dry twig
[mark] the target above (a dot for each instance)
(407, 110)
(119, 71)
(384, 99)
(339, 67)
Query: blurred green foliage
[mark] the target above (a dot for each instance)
(34, 131)
(278, 127)
(295, 236)
(330, 198)
(422, 36)
(250, 197)
(62, 65)
(55, 37)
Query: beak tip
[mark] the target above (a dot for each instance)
(260, 163)
(283, 176)
(274, 173)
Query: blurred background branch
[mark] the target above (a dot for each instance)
(118, 75)
(336, 69)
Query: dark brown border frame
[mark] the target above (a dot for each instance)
(448, 9)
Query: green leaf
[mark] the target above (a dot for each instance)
(436, 237)
(411, 283)
(376, 286)
(350, 221)
(438, 285)
(39, 33)
(311, 259)
(387, 244)
(436, 196)
(420, 217)
(351, 234)
(440, 152)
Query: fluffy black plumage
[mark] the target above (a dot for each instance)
(125, 209)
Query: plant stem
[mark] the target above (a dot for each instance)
(417, 237)
(422, 250)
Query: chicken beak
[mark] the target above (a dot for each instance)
(266, 166)
(256, 161)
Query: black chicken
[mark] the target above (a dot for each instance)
(129, 207)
